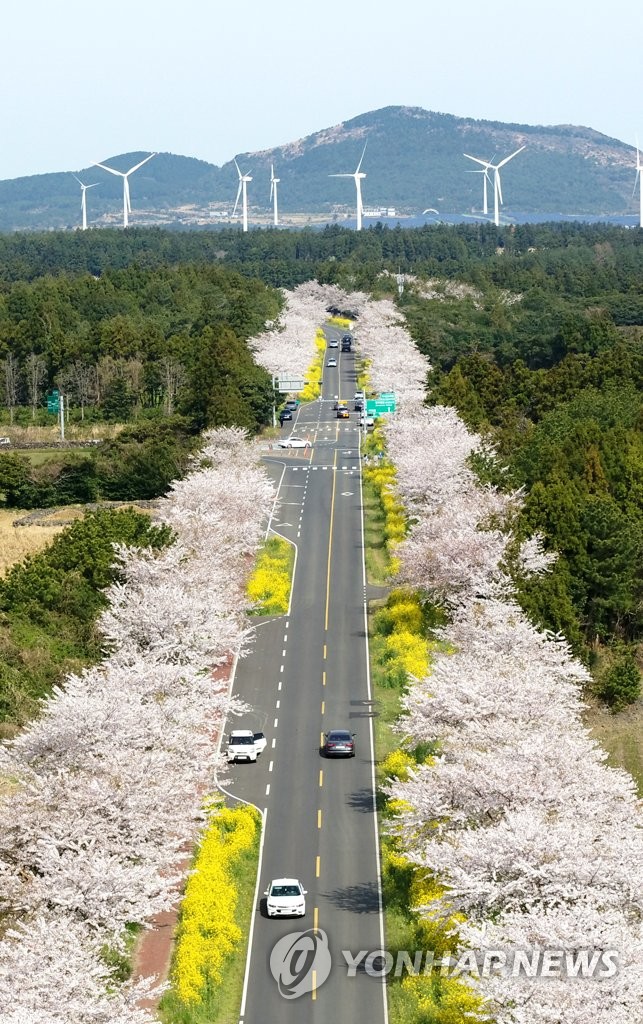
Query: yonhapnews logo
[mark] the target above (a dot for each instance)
(300, 962)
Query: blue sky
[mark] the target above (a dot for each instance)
(83, 81)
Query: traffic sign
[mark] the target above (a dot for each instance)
(385, 402)
(53, 401)
(380, 406)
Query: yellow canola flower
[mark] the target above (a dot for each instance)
(410, 650)
(396, 766)
(443, 1000)
(208, 933)
(269, 584)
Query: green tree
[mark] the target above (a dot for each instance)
(621, 684)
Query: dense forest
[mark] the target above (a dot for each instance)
(534, 333)
(162, 349)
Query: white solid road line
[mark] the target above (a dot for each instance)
(246, 977)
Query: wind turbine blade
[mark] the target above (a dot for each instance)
(110, 169)
(272, 187)
(361, 158)
(485, 163)
(93, 184)
(510, 157)
(126, 195)
(78, 180)
(341, 175)
(238, 169)
(136, 167)
(500, 199)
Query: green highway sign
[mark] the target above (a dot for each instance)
(379, 406)
(53, 401)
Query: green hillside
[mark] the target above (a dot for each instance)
(414, 159)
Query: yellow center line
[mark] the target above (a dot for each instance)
(323, 678)
(319, 818)
(316, 919)
(318, 867)
(314, 991)
(325, 651)
(321, 739)
(321, 777)
(330, 538)
(323, 706)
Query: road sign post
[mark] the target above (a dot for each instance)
(53, 401)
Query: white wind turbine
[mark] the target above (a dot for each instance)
(486, 164)
(273, 195)
(497, 187)
(83, 202)
(127, 206)
(242, 191)
(357, 176)
(639, 178)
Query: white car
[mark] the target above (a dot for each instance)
(286, 897)
(294, 442)
(366, 421)
(332, 361)
(359, 396)
(245, 745)
(333, 343)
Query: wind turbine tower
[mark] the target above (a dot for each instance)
(83, 202)
(242, 191)
(357, 176)
(639, 178)
(127, 206)
(273, 195)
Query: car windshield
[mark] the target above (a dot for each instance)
(238, 740)
(284, 890)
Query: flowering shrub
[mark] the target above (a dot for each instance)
(208, 933)
(400, 644)
(314, 373)
(269, 585)
(396, 765)
(381, 476)
(341, 321)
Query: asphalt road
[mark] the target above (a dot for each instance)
(307, 673)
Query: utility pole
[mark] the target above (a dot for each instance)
(61, 410)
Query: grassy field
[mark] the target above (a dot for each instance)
(39, 456)
(73, 432)
(18, 541)
(621, 736)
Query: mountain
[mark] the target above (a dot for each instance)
(414, 160)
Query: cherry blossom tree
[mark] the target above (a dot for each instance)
(107, 785)
(532, 837)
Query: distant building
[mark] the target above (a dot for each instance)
(382, 212)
